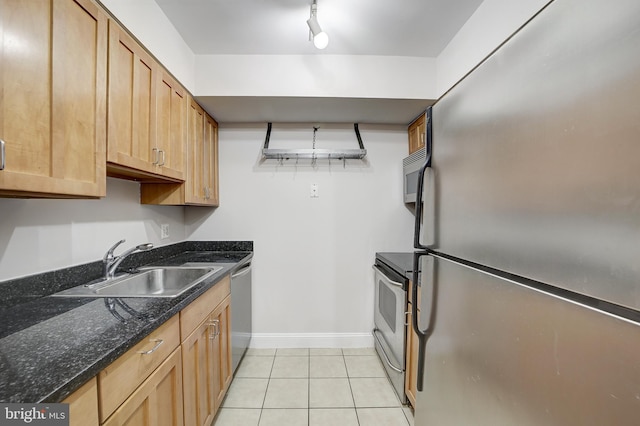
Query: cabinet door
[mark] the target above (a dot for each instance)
(417, 134)
(83, 405)
(222, 348)
(210, 156)
(198, 375)
(195, 192)
(53, 97)
(132, 105)
(201, 177)
(171, 135)
(158, 401)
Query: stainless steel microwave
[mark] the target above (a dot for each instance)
(411, 166)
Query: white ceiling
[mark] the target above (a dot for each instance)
(418, 28)
(355, 27)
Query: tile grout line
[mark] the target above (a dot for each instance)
(267, 389)
(309, 389)
(355, 409)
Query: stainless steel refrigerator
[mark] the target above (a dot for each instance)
(528, 247)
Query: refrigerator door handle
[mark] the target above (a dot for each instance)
(423, 335)
(427, 163)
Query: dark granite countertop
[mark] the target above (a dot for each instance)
(50, 346)
(399, 262)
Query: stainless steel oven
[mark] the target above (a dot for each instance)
(390, 323)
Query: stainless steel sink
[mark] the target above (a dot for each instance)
(164, 281)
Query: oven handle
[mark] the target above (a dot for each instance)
(386, 279)
(386, 358)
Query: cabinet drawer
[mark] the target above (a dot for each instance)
(118, 380)
(158, 401)
(196, 312)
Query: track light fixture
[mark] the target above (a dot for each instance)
(320, 38)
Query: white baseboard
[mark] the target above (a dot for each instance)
(311, 340)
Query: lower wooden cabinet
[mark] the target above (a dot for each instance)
(199, 379)
(206, 354)
(221, 317)
(83, 405)
(411, 361)
(178, 375)
(123, 376)
(158, 401)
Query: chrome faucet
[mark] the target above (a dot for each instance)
(112, 262)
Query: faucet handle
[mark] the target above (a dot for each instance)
(109, 254)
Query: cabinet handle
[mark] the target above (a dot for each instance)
(216, 329)
(155, 152)
(1, 154)
(162, 155)
(206, 193)
(152, 350)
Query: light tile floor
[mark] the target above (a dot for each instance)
(312, 387)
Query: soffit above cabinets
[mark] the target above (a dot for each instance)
(256, 109)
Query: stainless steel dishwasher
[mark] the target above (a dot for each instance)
(240, 312)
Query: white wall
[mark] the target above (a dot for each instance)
(42, 235)
(145, 20)
(313, 282)
(340, 76)
(492, 23)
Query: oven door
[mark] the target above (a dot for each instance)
(389, 316)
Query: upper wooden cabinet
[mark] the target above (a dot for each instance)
(210, 160)
(53, 70)
(417, 134)
(201, 178)
(171, 137)
(146, 123)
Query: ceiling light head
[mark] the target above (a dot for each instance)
(320, 38)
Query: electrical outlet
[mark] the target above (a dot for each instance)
(314, 191)
(164, 231)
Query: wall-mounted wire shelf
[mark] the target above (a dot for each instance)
(313, 153)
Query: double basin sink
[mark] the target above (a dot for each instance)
(160, 281)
